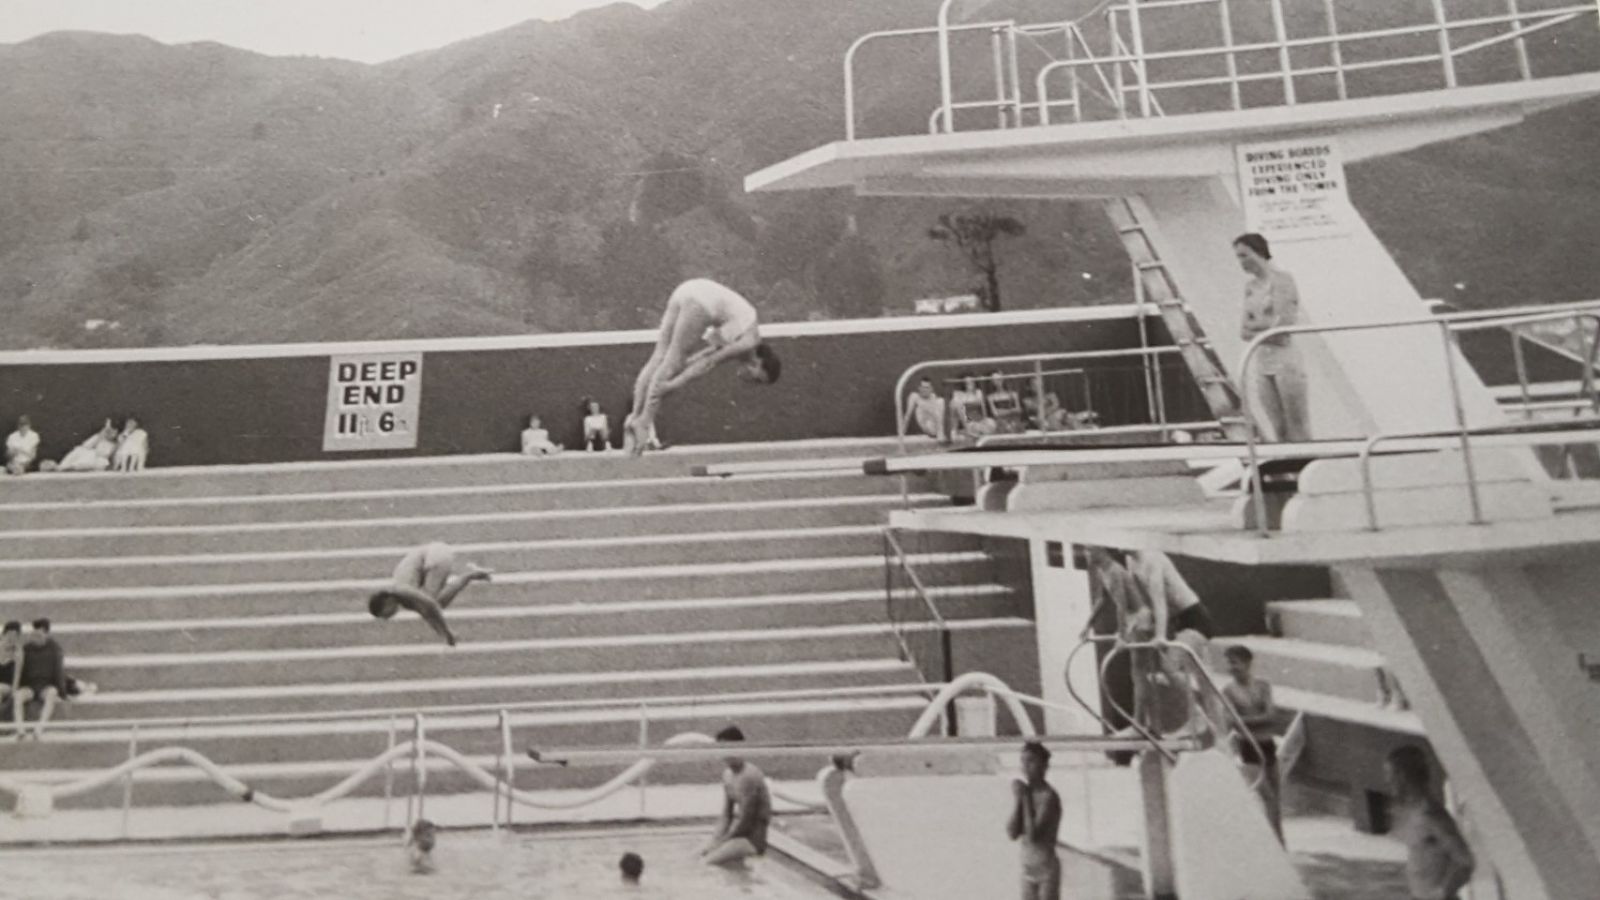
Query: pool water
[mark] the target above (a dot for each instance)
(466, 865)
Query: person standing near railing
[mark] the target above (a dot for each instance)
(1251, 698)
(1277, 376)
(1036, 820)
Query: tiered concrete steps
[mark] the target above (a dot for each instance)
(223, 609)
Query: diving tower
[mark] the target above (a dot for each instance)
(1194, 121)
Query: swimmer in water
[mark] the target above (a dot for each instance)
(722, 324)
(425, 583)
(632, 866)
(419, 850)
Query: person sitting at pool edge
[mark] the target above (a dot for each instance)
(746, 809)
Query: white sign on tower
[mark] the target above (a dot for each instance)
(1294, 189)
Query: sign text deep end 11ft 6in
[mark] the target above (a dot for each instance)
(373, 402)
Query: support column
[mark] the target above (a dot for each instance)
(1160, 881)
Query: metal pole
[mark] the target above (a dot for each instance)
(644, 746)
(388, 775)
(1523, 65)
(419, 764)
(1285, 63)
(127, 780)
(1337, 49)
(997, 50)
(1136, 32)
(1038, 394)
(1522, 371)
(1077, 90)
(1016, 78)
(511, 763)
(1143, 300)
(1259, 497)
(1116, 67)
(1233, 60)
(946, 92)
(948, 671)
(1446, 57)
(1461, 422)
(499, 776)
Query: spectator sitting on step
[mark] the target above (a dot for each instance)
(596, 427)
(44, 678)
(10, 668)
(133, 445)
(1439, 862)
(94, 454)
(536, 440)
(1256, 745)
(1005, 405)
(927, 410)
(22, 447)
(969, 411)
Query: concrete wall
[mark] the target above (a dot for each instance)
(255, 405)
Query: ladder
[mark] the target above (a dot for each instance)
(1159, 288)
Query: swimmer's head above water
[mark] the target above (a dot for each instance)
(632, 866)
(383, 605)
(761, 365)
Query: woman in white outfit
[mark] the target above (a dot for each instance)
(1277, 377)
(722, 324)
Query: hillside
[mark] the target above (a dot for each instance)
(562, 176)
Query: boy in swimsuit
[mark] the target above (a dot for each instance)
(1173, 602)
(746, 809)
(700, 311)
(1035, 819)
(425, 583)
(927, 410)
(1438, 861)
(1251, 698)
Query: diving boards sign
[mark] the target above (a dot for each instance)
(374, 401)
(1294, 190)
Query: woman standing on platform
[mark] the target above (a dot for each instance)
(1276, 378)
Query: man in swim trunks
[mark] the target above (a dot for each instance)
(746, 809)
(425, 583)
(1175, 605)
(1035, 819)
(700, 311)
(1251, 699)
(1438, 861)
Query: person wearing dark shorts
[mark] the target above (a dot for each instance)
(43, 678)
(746, 809)
(1176, 606)
(1251, 698)
(1035, 821)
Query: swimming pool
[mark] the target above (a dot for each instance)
(545, 865)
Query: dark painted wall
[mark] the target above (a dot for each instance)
(271, 410)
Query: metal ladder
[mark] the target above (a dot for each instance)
(1221, 395)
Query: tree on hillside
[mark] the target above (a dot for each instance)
(974, 234)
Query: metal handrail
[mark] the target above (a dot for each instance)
(1517, 25)
(947, 671)
(1145, 354)
(1449, 324)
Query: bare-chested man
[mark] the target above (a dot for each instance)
(426, 582)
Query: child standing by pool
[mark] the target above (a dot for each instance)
(1035, 819)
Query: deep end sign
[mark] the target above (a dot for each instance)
(373, 402)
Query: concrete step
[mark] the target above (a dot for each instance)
(507, 556)
(1350, 673)
(568, 524)
(492, 469)
(356, 628)
(1319, 621)
(509, 589)
(478, 733)
(433, 500)
(490, 658)
(355, 698)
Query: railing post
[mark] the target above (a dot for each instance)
(948, 670)
(1077, 89)
(419, 765)
(1285, 61)
(1016, 77)
(1337, 49)
(1524, 67)
(946, 90)
(1591, 340)
(1232, 58)
(1136, 33)
(1038, 394)
(1258, 499)
(1522, 372)
(499, 774)
(1446, 58)
(388, 774)
(1461, 422)
(850, 92)
(127, 780)
(1119, 86)
(644, 747)
(997, 51)
(511, 764)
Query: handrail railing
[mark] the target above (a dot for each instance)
(1145, 355)
(1123, 63)
(895, 558)
(1449, 324)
